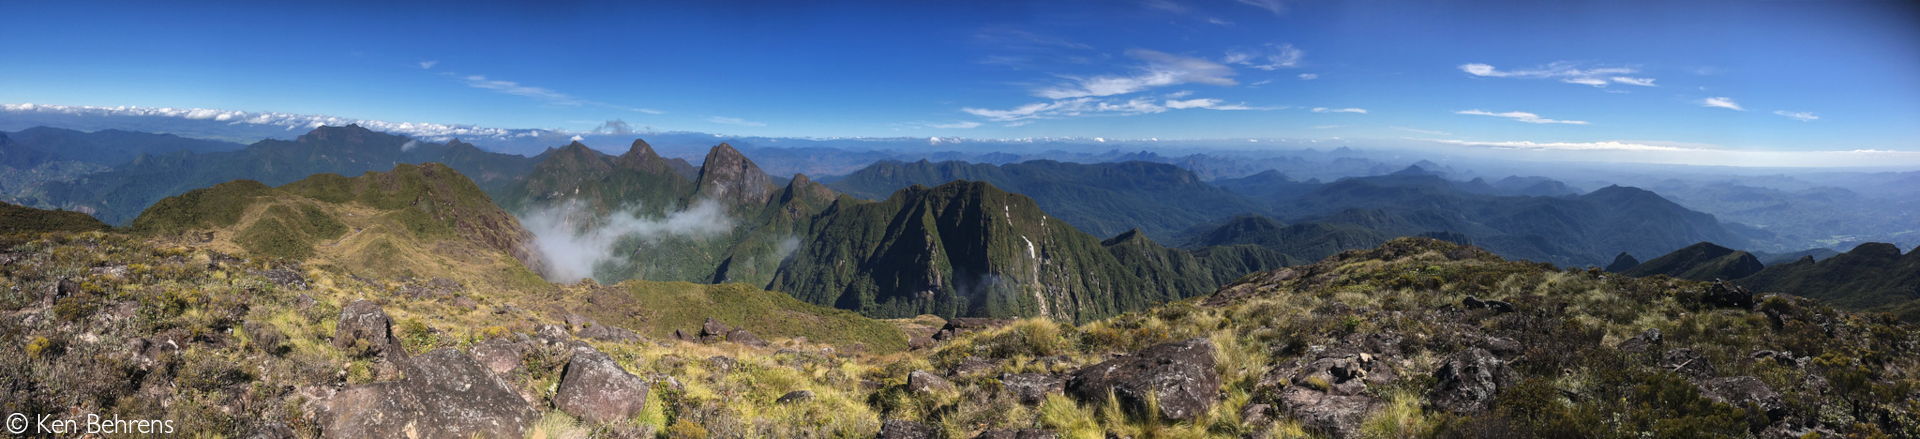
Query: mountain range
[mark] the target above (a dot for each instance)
(1871, 277)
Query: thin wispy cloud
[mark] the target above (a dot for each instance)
(1564, 71)
(1277, 7)
(1207, 104)
(1421, 131)
(1803, 116)
(428, 64)
(1610, 145)
(1267, 57)
(735, 121)
(1158, 69)
(961, 125)
(1521, 116)
(1339, 110)
(1309, 76)
(542, 94)
(1721, 102)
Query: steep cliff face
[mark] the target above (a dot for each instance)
(970, 249)
(729, 177)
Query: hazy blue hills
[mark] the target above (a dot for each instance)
(119, 194)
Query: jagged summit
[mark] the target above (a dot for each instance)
(727, 175)
(1623, 262)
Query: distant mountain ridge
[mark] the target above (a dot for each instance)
(1873, 276)
(116, 196)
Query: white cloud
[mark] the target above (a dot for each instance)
(1610, 145)
(516, 89)
(540, 93)
(577, 138)
(1159, 70)
(1309, 76)
(1268, 57)
(1803, 116)
(1643, 82)
(735, 121)
(1721, 102)
(957, 125)
(1521, 116)
(1205, 103)
(429, 131)
(1596, 82)
(1339, 110)
(1567, 72)
(1277, 7)
(428, 64)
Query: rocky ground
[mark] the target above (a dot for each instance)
(1417, 338)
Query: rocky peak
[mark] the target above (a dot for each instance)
(641, 157)
(1623, 262)
(727, 175)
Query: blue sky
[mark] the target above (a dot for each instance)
(1772, 75)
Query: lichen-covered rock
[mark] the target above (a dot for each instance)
(365, 329)
(1328, 395)
(921, 381)
(797, 396)
(1744, 391)
(500, 356)
(1180, 376)
(595, 388)
(905, 429)
(1032, 388)
(1467, 381)
(446, 394)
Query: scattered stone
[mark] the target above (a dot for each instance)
(963, 325)
(609, 333)
(796, 396)
(1498, 306)
(1025, 433)
(741, 336)
(576, 322)
(365, 330)
(1328, 395)
(713, 328)
(63, 288)
(595, 388)
(284, 278)
(1179, 375)
(500, 356)
(1467, 381)
(1687, 362)
(684, 336)
(1256, 415)
(445, 394)
(921, 381)
(722, 363)
(1784, 358)
(971, 366)
(1032, 388)
(1724, 294)
(919, 342)
(1744, 391)
(1648, 341)
(904, 429)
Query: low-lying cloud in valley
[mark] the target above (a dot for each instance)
(575, 241)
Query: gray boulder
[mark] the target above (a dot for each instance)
(1032, 388)
(1744, 391)
(365, 330)
(1179, 375)
(905, 429)
(595, 388)
(921, 381)
(1467, 381)
(446, 394)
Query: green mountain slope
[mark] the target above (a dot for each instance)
(1103, 199)
(15, 218)
(971, 249)
(1871, 275)
(396, 224)
(1702, 262)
